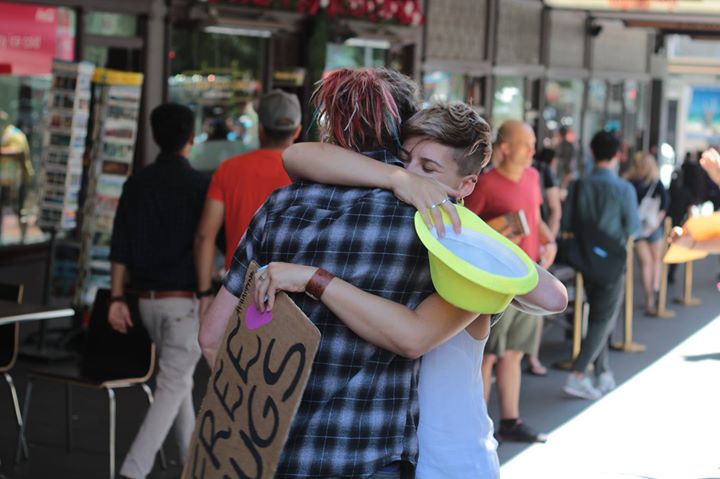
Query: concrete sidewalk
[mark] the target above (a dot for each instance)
(662, 420)
(659, 424)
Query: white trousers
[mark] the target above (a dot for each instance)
(172, 324)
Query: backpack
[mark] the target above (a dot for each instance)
(588, 249)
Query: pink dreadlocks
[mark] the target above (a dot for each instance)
(362, 109)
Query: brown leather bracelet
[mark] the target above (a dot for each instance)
(317, 284)
(115, 299)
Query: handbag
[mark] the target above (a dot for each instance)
(589, 250)
(649, 213)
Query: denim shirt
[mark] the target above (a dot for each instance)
(606, 200)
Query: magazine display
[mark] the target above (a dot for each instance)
(116, 108)
(64, 145)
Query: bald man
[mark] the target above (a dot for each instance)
(513, 185)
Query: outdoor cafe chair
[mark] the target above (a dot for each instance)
(110, 361)
(9, 346)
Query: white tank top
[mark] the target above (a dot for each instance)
(455, 432)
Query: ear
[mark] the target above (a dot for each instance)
(297, 132)
(467, 185)
(504, 149)
(191, 140)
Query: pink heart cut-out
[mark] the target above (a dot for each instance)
(256, 319)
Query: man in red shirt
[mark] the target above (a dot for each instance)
(241, 184)
(511, 186)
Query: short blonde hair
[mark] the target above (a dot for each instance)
(456, 125)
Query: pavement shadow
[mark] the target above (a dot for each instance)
(702, 357)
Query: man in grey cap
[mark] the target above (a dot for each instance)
(242, 183)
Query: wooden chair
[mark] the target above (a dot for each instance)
(9, 347)
(110, 361)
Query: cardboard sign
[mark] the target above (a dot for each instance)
(254, 390)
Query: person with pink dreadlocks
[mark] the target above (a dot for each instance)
(358, 414)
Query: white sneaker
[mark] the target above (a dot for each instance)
(606, 382)
(581, 388)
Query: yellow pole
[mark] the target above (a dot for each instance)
(577, 323)
(627, 345)
(578, 315)
(662, 312)
(687, 298)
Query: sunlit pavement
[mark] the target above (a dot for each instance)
(662, 422)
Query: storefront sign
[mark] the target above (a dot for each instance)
(254, 391)
(660, 6)
(289, 77)
(403, 12)
(27, 38)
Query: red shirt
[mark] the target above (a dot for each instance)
(496, 195)
(242, 183)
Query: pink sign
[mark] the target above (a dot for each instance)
(27, 38)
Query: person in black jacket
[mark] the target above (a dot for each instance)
(152, 240)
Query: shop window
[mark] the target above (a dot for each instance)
(563, 101)
(594, 116)
(443, 86)
(561, 117)
(121, 49)
(508, 100)
(23, 105)
(357, 53)
(634, 97)
(218, 75)
(615, 105)
(111, 24)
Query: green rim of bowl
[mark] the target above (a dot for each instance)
(498, 283)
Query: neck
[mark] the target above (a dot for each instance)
(280, 146)
(607, 164)
(510, 171)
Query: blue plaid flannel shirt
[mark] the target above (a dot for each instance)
(359, 411)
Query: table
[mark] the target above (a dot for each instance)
(11, 312)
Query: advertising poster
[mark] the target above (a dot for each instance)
(702, 128)
(27, 39)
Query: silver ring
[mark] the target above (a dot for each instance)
(438, 204)
(261, 277)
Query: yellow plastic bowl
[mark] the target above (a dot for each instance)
(471, 287)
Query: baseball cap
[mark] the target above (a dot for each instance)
(279, 111)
